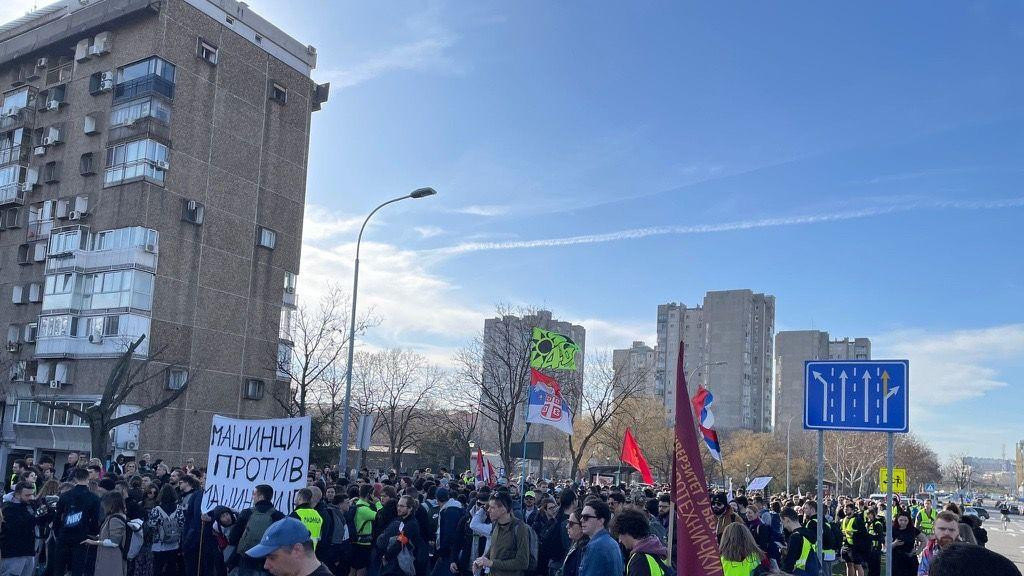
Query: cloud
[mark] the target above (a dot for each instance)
(428, 231)
(427, 55)
(320, 223)
(482, 210)
(954, 366)
(773, 222)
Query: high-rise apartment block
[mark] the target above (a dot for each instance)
(152, 182)
(728, 344)
(635, 367)
(792, 349)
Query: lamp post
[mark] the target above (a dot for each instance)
(788, 424)
(343, 452)
(748, 477)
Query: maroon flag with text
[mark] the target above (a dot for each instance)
(696, 546)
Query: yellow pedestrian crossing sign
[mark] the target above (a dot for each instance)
(899, 480)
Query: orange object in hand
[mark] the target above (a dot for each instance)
(403, 538)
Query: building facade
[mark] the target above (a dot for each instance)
(792, 349)
(727, 347)
(152, 183)
(636, 365)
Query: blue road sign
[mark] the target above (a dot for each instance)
(865, 395)
(930, 487)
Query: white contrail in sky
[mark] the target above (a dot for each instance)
(636, 233)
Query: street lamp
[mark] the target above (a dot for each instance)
(748, 475)
(343, 452)
(788, 424)
(701, 365)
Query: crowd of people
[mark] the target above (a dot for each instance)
(145, 518)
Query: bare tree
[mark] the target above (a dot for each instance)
(131, 378)
(320, 336)
(397, 384)
(958, 472)
(496, 368)
(605, 393)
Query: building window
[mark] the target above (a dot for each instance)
(290, 280)
(192, 211)
(138, 159)
(11, 146)
(15, 101)
(149, 76)
(129, 112)
(51, 172)
(253, 389)
(85, 165)
(123, 238)
(207, 51)
(278, 93)
(176, 378)
(65, 242)
(266, 237)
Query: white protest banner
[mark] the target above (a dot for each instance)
(245, 453)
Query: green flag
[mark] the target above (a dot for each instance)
(552, 351)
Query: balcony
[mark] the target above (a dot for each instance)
(96, 261)
(17, 154)
(143, 86)
(147, 127)
(18, 118)
(13, 194)
(39, 229)
(75, 347)
(59, 75)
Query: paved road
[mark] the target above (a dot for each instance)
(1008, 542)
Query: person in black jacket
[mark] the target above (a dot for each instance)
(262, 504)
(17, 540)
(78, 518)
(448, 540)
(403, 531)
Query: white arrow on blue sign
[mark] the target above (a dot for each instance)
(865, 395)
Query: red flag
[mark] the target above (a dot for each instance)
(696, 546)
(481, 473)
(632, 455)
(492, 478)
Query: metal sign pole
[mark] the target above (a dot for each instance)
(889, 510)
(821, 498)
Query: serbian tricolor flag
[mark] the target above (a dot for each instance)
(484, 470)
(632, 455)
(706, 420)
(696, 547)
(546, 403)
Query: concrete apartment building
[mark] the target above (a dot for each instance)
(152, 181)
(637, 364)
(792, 349)
(728, 345)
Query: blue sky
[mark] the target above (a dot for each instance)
(861, 162)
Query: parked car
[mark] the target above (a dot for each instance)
(1016, 508)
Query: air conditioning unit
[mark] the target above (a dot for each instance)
(95, 339)
(53, 105)
(24, 186)
(131, 445)
(95, 50)
(41, 63)
(56, 383)
(151, 248)
(109, 75)
(13, 347)
(289, 290)
(192, 205)
(75, 215)
(39, 150)
(162, 165)
(48, 141)
(106, 85)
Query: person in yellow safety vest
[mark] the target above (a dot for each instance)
(305, 513)
(800, 558)
(740, 554)
(828, 544)
(926, 518)
(647, 554)
(856, 545)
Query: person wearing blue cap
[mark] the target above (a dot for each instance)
(287, 547)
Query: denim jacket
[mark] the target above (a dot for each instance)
(602, 556)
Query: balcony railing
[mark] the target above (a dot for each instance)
(143, 86)
(99, 260)
(147, 127)
(59, 75)
(13, 193)
(17, 119)
(18, 154)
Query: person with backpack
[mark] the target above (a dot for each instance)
(341, 537)
(403, 550)
(165, 533)
(800, 559)
(364, 515)
(115, 537)
(77, 517)
(448, 541)
(509, 551)
(249, 528)
(648, 555)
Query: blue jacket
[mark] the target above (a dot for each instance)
(602, 556)
(449, 541)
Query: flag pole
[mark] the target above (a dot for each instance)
(672, 515)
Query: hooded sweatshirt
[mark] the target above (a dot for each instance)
(643, 556)
(447, 537)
